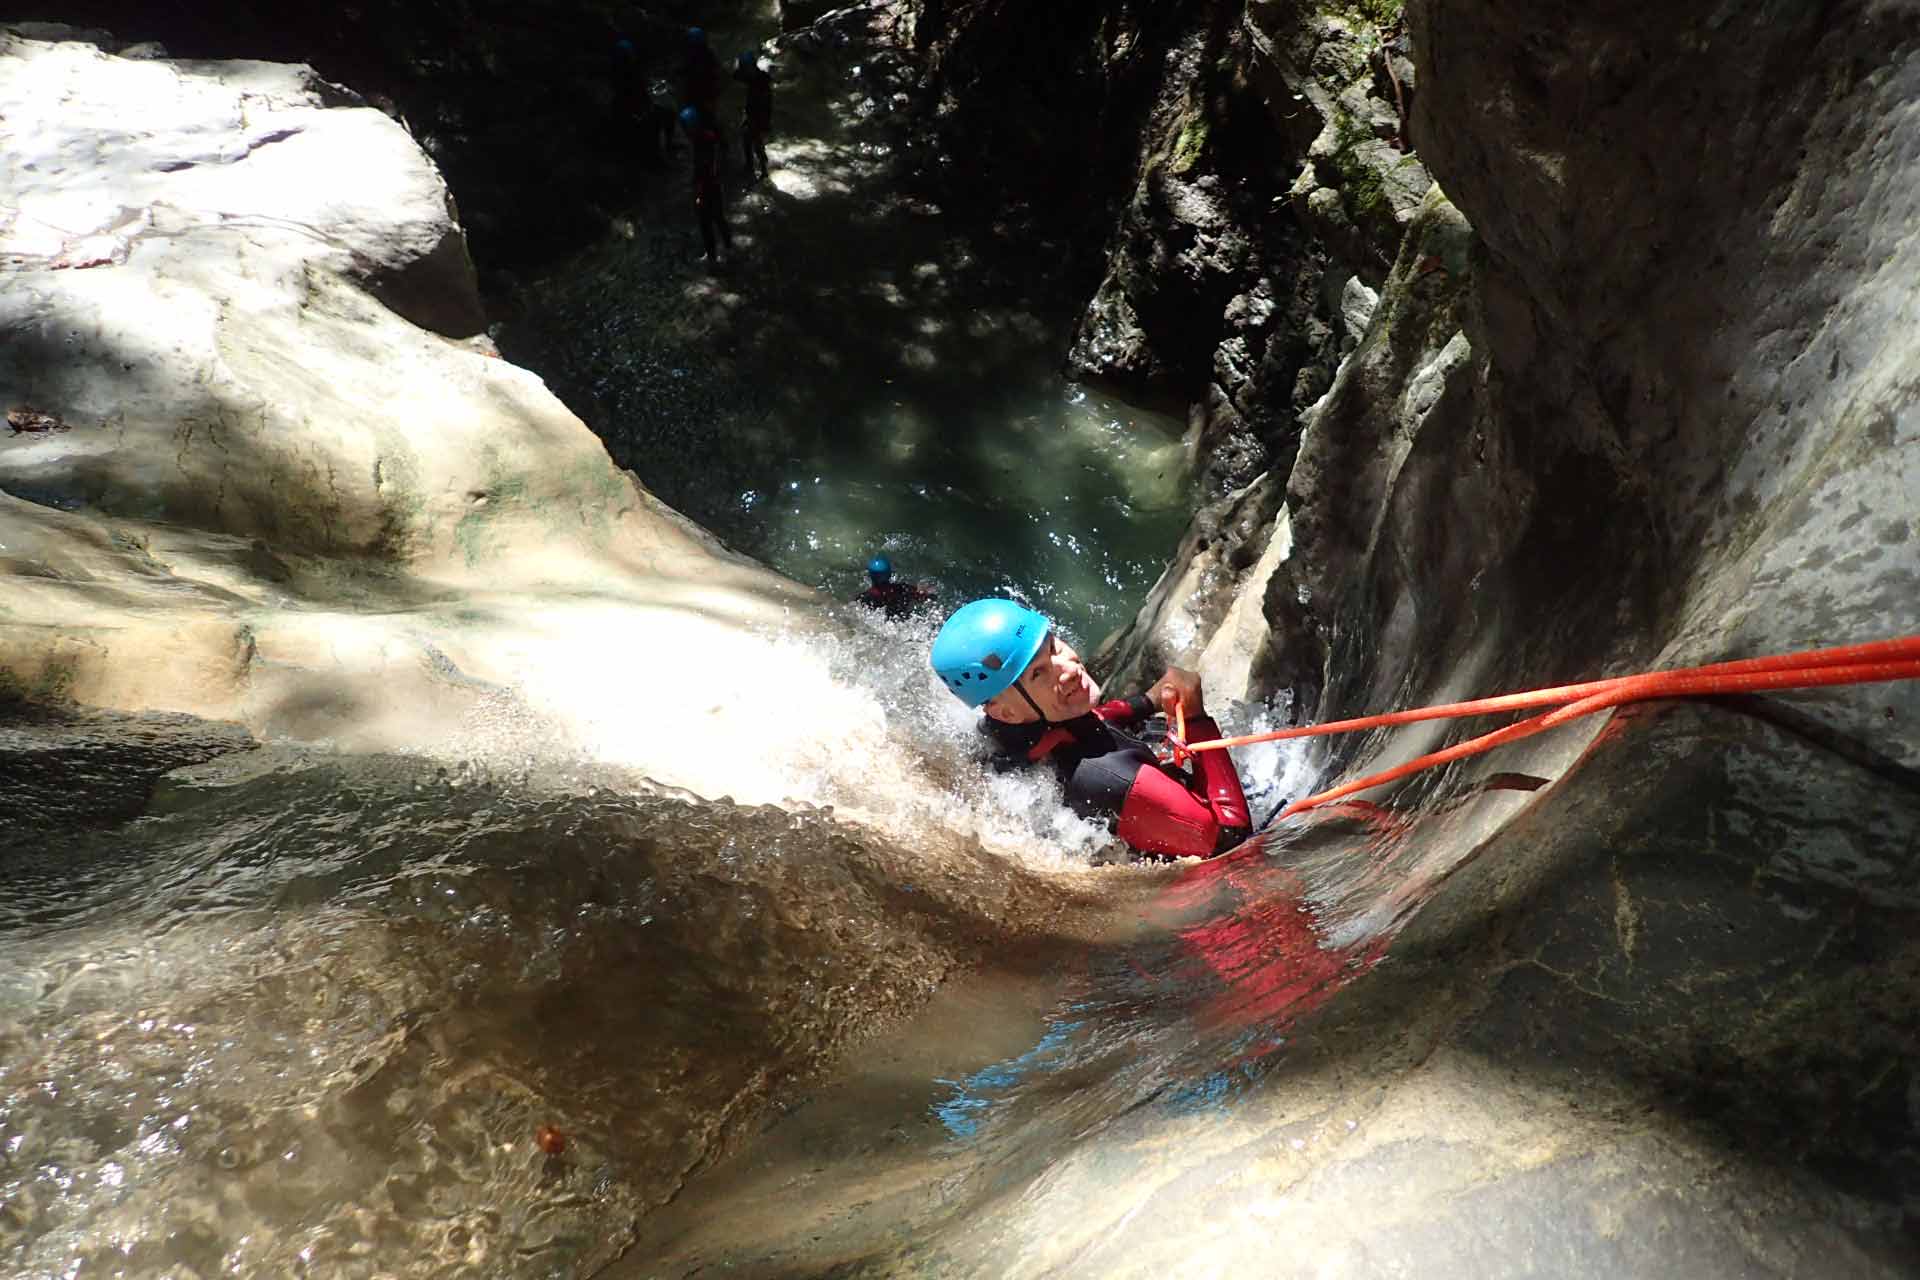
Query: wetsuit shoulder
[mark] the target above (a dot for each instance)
(1012, 739)
(1013, 744)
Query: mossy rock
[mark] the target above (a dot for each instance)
(1191, 145)
(1377, 13)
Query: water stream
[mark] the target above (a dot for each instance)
(359, 1017)
(309, 1014)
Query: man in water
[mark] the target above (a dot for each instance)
(897, 598)
(756, 121)
(709, 201)
(1041, 704)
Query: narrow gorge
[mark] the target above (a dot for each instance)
(456, 823)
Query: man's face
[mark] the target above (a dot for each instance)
(1056, 681)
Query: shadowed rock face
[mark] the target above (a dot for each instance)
(67, 769)
(1241, 167)
(1656, 405)
(1687, 430)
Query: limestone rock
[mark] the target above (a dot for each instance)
(1357, 303)
(1204, 611)
(139, 155)
(1334, 84)
(1647, 412)
(279, 501)
(1387, 433)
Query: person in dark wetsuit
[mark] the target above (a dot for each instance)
(709, 200)
(635, 109)
(699, 78)
(897, 598)
(1041, 705)
(756, 121)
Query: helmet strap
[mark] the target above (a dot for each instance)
(1017, 688)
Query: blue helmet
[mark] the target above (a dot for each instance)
(690, 117)
(880, 569)
(985, 646)
(696, 35)
(624, 47)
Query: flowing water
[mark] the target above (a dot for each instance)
(313, 1015)
(374, 1017)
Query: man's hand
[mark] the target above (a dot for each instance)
(1178, 686)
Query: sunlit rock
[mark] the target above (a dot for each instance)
(264, 492)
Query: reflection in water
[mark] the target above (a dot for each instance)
(1251, 949)
(314, 1012)
(963, 1112)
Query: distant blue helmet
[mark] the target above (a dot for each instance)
(880, 569)
(623, 46)
(985, 646)
(696, 35)
(690, 117)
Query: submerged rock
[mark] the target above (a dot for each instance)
(65, 769)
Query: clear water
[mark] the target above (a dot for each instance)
(864, 376)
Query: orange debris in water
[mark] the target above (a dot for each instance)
(550, 1139)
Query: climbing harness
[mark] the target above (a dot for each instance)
(1870, 663)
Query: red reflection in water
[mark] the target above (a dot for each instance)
(1246, 933)
(1258, 944)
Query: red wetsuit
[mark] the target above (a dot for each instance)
(1110, 773)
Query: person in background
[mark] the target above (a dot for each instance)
(709, 199)
(635, 107)
(1041, 705)
(897, 598)
(700, 78)
(756, 120)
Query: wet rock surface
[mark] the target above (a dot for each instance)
(1523, 474)
(70, 768)
(270, 478)
(526, 107)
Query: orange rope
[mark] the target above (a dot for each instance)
(1673, 684)
(1874, 651)
(1880, 660)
